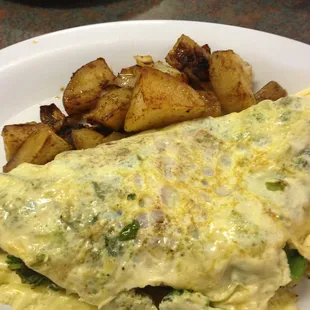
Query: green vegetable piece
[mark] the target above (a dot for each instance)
(28, 275)
(132, 196)
(297, 263)
(130, 231)
(276, 186)
(14, 263)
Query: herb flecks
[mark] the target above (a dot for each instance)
(130, 231)
(131, 196)
(278, 185)
(99, 191)
(28, 275)
(113, 246)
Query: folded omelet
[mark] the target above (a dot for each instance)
(205, 206)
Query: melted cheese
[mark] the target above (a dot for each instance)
(199, 189)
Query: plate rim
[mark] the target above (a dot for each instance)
(6, 51)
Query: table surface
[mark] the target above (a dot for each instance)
(23, 19)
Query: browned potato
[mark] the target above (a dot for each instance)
(159, 100)
(128, 77)
(85, 86)
(212, 103)
(51, 115)
(114, 136)
(272, 91)
(111, 109)
(40, 147)
(231, 79)
(186, 55)
(15, 135)
(86, 138)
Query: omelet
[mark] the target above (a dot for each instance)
(205, 206)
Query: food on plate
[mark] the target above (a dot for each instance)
(190, 58)
(20, 295)
(128, 77)
(51, 115)
(216, 209)
(85, 86)
(40, 147)
(159, 99)
(272, 90)
(231, 79)
(195, 83)
(144, 60)
(14, 136)
(86, 138)
(111, 108)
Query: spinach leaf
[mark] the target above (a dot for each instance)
(130, 231)
(28, 275)
(297, 263)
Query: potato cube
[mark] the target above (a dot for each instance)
(111, 109)
(86, 138)
(159, 100)
(85, 86)
(15, 135)
(231, 79)
(40, 147)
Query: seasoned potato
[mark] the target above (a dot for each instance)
(40, 147)
(159, 100)
(212, 103)
(15, 135)
(114, 136)
(272, 91)
(86, 138)
(85, 86)
(231, 79)
(51, 115)
(111, 109)
(186, 55)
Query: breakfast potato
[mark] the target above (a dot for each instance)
(213, 105)
(231, 79)
(272, 91)
(159, 100)
(114, 136)
(187, 56)
(86, 138)
(111, 109)
(15, 135)
(85, 86)
(51, 115)
(40, 147)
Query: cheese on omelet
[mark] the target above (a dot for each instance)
(205, 206)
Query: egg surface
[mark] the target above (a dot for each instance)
(205, 206)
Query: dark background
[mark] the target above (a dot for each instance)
(23, 19)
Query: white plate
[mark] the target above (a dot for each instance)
(33, 72)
